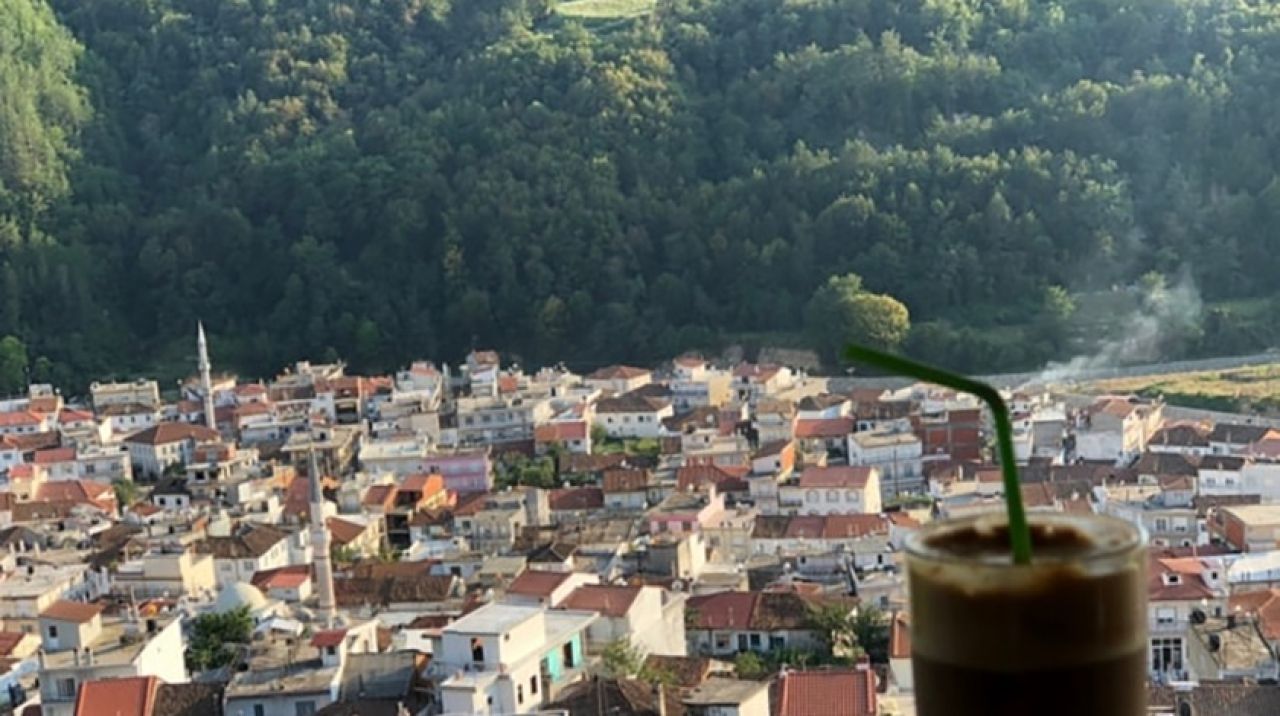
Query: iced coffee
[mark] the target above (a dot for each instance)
(1063, 635)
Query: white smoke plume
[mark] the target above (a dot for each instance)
(1165, 317)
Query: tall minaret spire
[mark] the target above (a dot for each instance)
(206, 382)
(320, 543)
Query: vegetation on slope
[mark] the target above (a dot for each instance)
(388, 179)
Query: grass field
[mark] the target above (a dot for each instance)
(605, 9)
(1251, 387)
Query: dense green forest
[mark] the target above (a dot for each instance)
(384, 179)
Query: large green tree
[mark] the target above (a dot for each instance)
(841, 311)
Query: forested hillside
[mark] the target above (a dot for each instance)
(384, 179)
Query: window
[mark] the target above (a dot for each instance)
(777, 642)
(1166, 655)
(533, 684)
(742, 642)
(755, 641)
(53, 632)
(304, 708)
(66, 688)
(833, 495)
(477, 650)
(722, 642)
(568, 656)
(1166, 615)
(520, 694)
(1162, 524)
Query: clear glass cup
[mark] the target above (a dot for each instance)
(1066, 634)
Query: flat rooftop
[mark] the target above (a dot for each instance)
(494, 619)
(1255, 514)
(715, 692)
(110, 648)
(300, 677)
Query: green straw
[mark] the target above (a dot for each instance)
(1019, 533)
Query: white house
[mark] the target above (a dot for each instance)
(619, 379)
(81, 645)
(508, 659)
(249, 549)
(651, 618)
(632, 416)
(838, 490)
(153, 450)
(896, 455)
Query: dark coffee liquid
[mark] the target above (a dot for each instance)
(1111, 687)
(1065, 635)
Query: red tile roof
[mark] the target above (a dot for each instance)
(608, 600)
(835, 692)
(424, 483)
(823, 427)
(129, 696)
(561, 431)
(725, 610)
(1189, 584)
(69, 611)
(328, 637)
(52, 455)
(69, 415)
(166, 433)
(344, 532)
(290, 577)
(77, 492)
(378, 495)
(618, 372)
(693, 477)
(537, 583)
(625, 480)
(576, 498)
(9, 640)
(841, 477)
(845, 526)
(18, 418)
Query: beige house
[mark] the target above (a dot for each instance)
(168, 574)
(651, 618)
(727, 697)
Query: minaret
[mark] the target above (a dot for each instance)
(206, 382)
(320, 545)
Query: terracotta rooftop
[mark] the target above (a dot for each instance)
(824, 427)
(576, 498)
(537, 583)
(68, 611)
(166, 433)
(129, 696)
(609, 600)
(838, 477)
(835, 692)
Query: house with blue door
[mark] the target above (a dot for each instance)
(509, 659)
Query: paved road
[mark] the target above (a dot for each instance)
(1010, 380)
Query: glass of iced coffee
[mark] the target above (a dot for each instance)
(1064, 634)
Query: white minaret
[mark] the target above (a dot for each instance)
(320, 545)
(206, 382)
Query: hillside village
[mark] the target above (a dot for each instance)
(692, 538)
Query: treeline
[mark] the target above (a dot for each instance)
(394, 178)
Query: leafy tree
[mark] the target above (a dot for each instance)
(621, 658)
(214, 636)
(871, 633)
(842, 311)
(13, 365)
(750, 665)
(126, 491)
